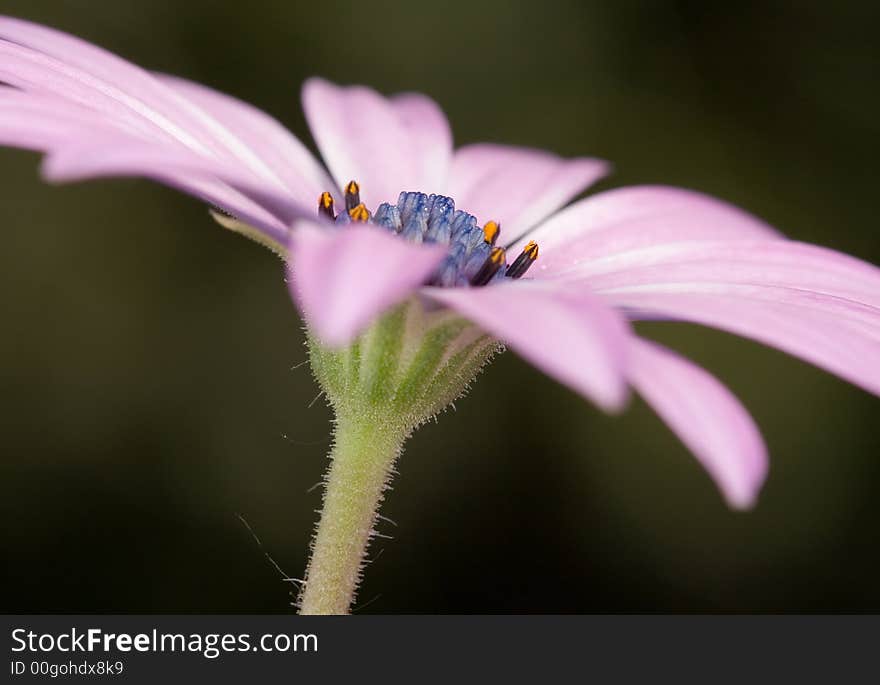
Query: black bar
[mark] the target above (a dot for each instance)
(414, 649)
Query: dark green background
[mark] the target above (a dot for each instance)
(147, 389)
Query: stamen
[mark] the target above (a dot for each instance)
(490, 267)
(325, 206)
(522, 263)
(491, 231)
(359, 212)
(352, 196)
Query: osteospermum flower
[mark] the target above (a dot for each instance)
(412, 262)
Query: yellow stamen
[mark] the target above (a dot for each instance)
(490, 267)
(522, 263)
(352, 196)
(359, 213)
(325, 205)
(491, 231)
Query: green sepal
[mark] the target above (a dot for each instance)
(409, 365)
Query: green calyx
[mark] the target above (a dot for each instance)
(412, 363)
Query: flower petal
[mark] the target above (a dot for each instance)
(781, 263)
(636, 217)
(136, 103)
(83, 57)
(42, 60)
(100, 115)
(35, 122)
(517, 187)
(569, 335)
(342, 278)
(814, 303)
(707, 418)
(387, 146)
(839, 336)
(270, 210)
(431, 137)
(172, 112)
(275, 145)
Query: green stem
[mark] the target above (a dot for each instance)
(363, 453)
(407, 366)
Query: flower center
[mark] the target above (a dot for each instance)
(472, 259)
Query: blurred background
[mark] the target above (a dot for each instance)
(150, 393)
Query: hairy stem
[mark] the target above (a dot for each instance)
(405, 368)
(363, 454)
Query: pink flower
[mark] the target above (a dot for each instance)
(629, 254)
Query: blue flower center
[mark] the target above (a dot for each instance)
(472, 258)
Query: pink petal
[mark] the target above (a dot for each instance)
(274, 144)
(780, 263)
(636, 217)
(431, 137)
(37, 72)
(105, 156)
(100, 115)
(387, 146)
(75, 52)
(517, 187)
(205, 179)
(36, 123)
(342, 278)
(707, 418)
(814, 303)
(39, 123)
(43, 61)
(568, 334)
(839, 336)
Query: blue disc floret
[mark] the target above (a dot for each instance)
(473, 259)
